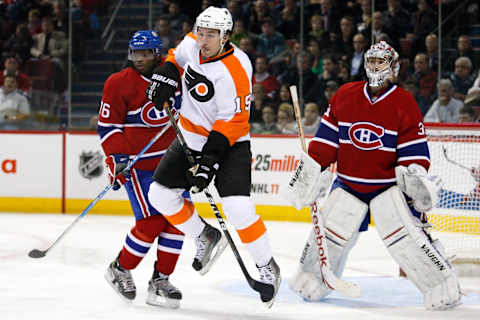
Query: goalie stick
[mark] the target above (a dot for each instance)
(329, 278)
(453, 161)
(262, 288)
(36, 253)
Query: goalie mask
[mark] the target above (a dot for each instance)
(381, 63)
(215, 18)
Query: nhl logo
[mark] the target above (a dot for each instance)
(91, 164)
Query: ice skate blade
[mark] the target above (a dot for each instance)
(161, 301)
(110, 282)
(270, 302)
(222, 244)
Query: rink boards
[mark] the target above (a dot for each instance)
(62, 172)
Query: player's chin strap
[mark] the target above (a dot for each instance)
(328, 277)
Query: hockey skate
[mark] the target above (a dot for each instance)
(210, 245)
(121, 281)
(161, 292)
(270, 274)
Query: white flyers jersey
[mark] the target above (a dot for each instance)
(216, 93)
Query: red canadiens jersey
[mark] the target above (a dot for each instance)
(127, 120)
(369, 137)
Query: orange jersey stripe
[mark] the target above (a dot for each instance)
(183, 215)
(238, 126)
(192, 127)
(171, 58)
(252, 232)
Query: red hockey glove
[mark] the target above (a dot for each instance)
(115, 164)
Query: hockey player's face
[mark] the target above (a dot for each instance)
(143, 60)
(377, 64)
(209, 42)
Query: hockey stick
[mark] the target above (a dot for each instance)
(329, 278)
(453, 161)
(36, 253)
(263, 288)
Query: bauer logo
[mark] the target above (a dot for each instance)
(90, 164)
(366, 135)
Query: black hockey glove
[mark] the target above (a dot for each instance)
(202, 173)
(207, 164)
(164, 83)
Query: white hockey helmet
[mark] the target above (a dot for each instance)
(215, 18)
(384, 67)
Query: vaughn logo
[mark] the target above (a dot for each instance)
(91, 164)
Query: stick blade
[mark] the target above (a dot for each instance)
(347, 288)
(35, 253)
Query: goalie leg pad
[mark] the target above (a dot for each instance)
(342, 214)
(422, 260)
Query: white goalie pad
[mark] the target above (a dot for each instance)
(342, 214)
(308, 183)
(418, 185)
(422, 260)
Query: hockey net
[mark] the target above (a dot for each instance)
(455, 157)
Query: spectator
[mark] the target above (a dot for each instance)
(423, 24)
(268, 124)
(461, 78)
(314, 49)
(423, 102)
(166, 35)
(258, 15)
(19, 43)
(446, 108)
(431, 49)
(246, 45)
(49, 44)
(357, 70)
(270, 42)
(474, 92)
(331, 88)
(378, 28)
(285, 120)
(239, 32)
(14, 107)
(288, 21)
(237, 12)
(311, 86)
(284, 94)
(260, 99)
(60, 17)
(187, 27)
(396, 18)
(329, 70)
(11, 68)
(318, 32)
(424, 77)
(34, 23)
(343, 43)
(93, 123)
(366, 13)
(311, 119)
(261, 75)
(466, 115)
(176, 17)
(330, 16)
(464, 49)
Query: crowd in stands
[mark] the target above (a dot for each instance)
(34, 48)
(337, 35)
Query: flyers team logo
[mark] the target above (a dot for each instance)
(90, 164)
(199, 87)
(366, 135)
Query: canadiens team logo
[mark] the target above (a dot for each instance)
(90, 164)
(366, 135)
(153, 117)
(199, 87)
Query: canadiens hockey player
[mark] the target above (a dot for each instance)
(127, 122)
(216, 98)
(375, 133)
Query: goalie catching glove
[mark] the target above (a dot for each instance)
(115, 164)
(308, 183)
(418, 185)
